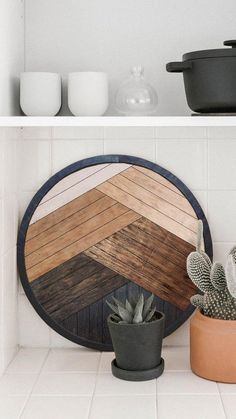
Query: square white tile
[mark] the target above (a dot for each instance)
(221, 164)
(35, 164)
(221, 251)
(50, 407)
(178, 338)
(36, 133)
(176, 358)
(221, 215)
(128, 133)
(11, 406)
(77, 133)
(65, 152)
(137, 148)
(28, 360)
(190, 407)
(125, 407)
(229, 402)
(227, 388)
(105, 361)
(65, 384)
(109, 385)
(33, 331)
(16, 384)
(221, 132)
(185, 159)
(10, 222)
(181, 132)
(71, 360)
(184, 383)
(58, 341)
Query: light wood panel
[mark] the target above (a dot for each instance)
(61, 213)
(147, 211)
(77, 190)
(71, 180)
(68, 224)
(158, 178)
(158, 189)
(80, 245)
(150, 199)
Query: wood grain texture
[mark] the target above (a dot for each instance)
(60, 214)
(96, 234)
(77, 289)
(77, 190)
(146, 264)
(149, 212)
(69, 223)
(72, 180)
(158, 189)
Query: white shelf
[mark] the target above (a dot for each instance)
(108, 121)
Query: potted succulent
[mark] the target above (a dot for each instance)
(213, 327)
(136, 330)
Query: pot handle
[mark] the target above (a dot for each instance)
(231, 43)
(178, 67)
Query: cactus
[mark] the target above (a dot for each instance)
(136, 312)
(217, 284)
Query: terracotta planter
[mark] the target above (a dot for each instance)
(213, 348)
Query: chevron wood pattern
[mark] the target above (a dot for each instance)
(109, 229)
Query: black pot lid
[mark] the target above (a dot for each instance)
(213, 53)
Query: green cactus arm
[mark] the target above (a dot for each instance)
(199, 271)
(217, 276)
(230, 271)
(197, 301)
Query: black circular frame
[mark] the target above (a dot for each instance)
(57, 178)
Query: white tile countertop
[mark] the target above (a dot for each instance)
(77, 383)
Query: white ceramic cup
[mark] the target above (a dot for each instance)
(40, 93)
(88, 93)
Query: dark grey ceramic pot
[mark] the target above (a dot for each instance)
(137, 346)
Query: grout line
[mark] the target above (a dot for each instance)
(222, 403)
(95, 386)
(35, 381)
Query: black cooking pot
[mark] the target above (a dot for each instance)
(209, 79)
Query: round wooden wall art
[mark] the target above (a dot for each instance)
(102, 227)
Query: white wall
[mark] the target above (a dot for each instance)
(11, 63)
(204, 159)
(9, 153)
(11, 53)
(113, 35)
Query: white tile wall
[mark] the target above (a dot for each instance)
(204, 159)
(9, 158)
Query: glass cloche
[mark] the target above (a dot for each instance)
(135, 97)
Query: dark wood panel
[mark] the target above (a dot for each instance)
(72, 292)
